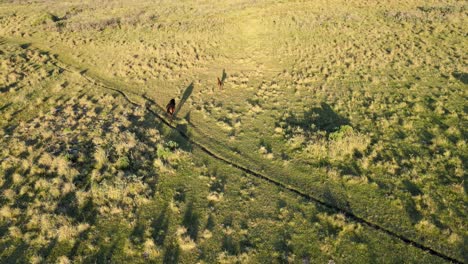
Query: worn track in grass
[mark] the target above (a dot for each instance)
(160, 115)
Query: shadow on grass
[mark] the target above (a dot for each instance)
(160, 227)
(322, 118)
(230, 245)
(461, 76)
(18, 255)
(47, 250)
(7, 178)
(25, 45)
(68, 205)
(81, 241)
(412, 188)
(106, 253)
(188, 91)
(172, 252)
(350, 167)
(336, 198)
(191, 221)
(223, 76)
(462, 249)
(413, 213)
(283, 246)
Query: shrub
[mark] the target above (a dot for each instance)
(341, 133)
(172, 145)
(123, 163)
(162, 152)
(101, 158)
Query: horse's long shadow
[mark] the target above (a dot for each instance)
(188, 91)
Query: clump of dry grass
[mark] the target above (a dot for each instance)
(100, 156)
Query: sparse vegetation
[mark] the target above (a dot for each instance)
(361, 105)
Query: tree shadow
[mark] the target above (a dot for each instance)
(350, 167)
(462, 249)
(461, 76)
(413, 213)
(180, 194)
(82, 240)
(160, 227)
(4, 228)
(172, 252)
(210, 222)
(283, 246)
(325, 118)
(18, 255)
(138, 232)
(8, 178)
(47, 250)
(105, 253)
(322, 118)
(191, 221)
(68, 205)
(465, 186)
(188, 91)
(230, 245)
(89, 212)
(412, 188)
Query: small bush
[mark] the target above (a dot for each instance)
(123, 163)
(101, 158)
(162, 152)
(341, 133)
(172, 145)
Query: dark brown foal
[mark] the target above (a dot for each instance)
(170, 108)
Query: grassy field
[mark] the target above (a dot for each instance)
(354, 111)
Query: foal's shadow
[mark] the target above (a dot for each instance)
(224, 76)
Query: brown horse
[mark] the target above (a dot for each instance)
(220, 84)
(170, 108)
